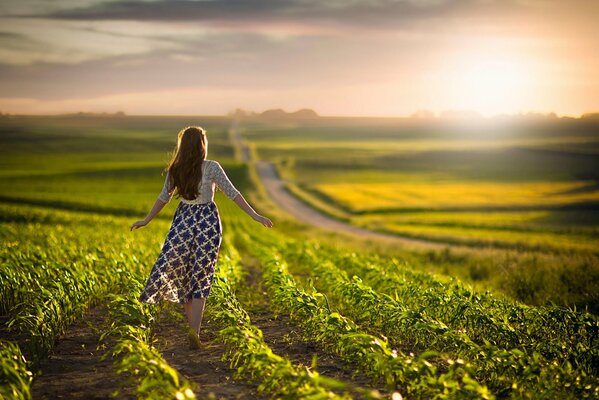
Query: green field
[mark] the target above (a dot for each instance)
(530, 186)
(294, 312)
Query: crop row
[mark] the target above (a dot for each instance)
(132, 327)
(50, 274)
(414, 375)
(246, 349)
(50, 298)
(484, 317)
(15, 376)
(506, 371)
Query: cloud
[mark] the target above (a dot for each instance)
(70, 31)
(354, 14)
(48, 41)
(10, 8)
(66, 51)
(234, 60)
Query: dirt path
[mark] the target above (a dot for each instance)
(276, 190)
(74, 370)
(202, 366)
(306, 214)
(240, 143)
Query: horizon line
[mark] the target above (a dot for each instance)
(459, 114)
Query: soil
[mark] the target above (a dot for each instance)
(74, 369)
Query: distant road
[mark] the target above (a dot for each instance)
(304, 213)
(276, 190)
(240, 143)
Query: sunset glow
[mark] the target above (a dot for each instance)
(491, 84)
(339, 58)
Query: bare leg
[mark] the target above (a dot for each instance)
(197, 311)
(194, 308)
(188, 311)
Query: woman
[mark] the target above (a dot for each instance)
(184, 269)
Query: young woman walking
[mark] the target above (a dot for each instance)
(185, 267)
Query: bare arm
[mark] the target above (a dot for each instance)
(163, 199)
(240, 201)
(225, 185)
(158, 206)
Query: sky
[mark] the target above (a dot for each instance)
(338, 57)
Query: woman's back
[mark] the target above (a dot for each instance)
(213, 176)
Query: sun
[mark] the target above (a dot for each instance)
(490, 83)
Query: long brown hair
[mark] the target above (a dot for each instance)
(185, 167)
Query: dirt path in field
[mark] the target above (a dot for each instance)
(203, 366)
(284, 338)
(74, 370)
(276, 190)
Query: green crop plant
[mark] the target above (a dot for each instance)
(414, 375)
(251, 356)
(132, 326)
(504, 370)
(483, 316)
(15, 377)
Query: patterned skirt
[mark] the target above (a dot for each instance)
(185, 267)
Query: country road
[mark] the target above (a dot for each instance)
(275, 188)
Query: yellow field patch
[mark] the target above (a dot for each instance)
(496, 219)
(372, 196)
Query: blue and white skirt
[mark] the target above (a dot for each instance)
(185, 267)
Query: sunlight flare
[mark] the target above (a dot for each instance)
(491, 84)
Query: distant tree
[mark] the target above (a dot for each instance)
(305, 113)
(239, 113)
(274, 113)
(278, 113)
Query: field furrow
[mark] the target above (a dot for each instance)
(76, 365)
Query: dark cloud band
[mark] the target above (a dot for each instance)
(356, 13)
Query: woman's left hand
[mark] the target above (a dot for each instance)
(264, 221)
(138, 224)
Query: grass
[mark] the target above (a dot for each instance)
(549, 252)
(524, 191)
(74, 209)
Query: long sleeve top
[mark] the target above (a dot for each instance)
(213, 176)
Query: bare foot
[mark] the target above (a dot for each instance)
(194, 339)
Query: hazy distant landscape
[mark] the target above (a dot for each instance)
(525, 183)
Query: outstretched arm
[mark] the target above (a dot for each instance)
(158, 206)
(225, 185)
(163, 199)
(240, 201)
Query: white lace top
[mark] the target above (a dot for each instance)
(213, 176)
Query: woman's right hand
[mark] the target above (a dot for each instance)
(264, 221)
